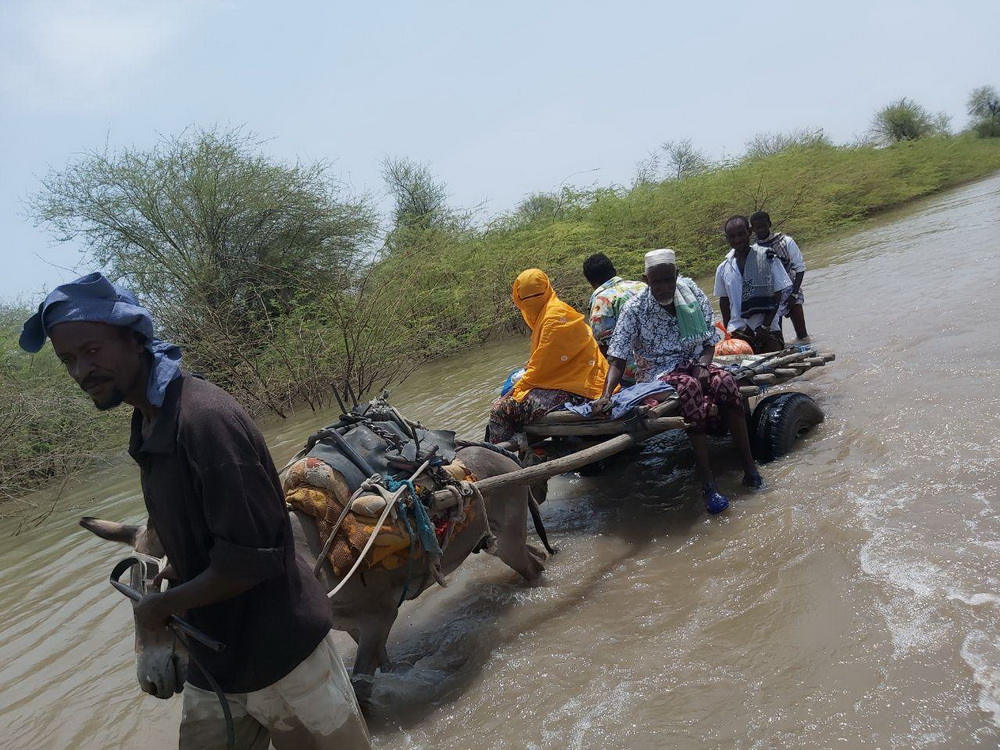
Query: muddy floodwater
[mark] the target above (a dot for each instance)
(853, 604)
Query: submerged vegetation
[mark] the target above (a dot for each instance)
(284, 290)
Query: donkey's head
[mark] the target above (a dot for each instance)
(161, 661)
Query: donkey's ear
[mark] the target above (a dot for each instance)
(112, 530)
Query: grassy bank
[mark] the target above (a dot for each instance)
(813, 193)
(444, 286)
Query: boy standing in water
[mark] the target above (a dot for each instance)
(785, 250)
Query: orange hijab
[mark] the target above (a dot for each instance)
(564, 355)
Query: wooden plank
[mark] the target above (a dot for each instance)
(443, 499)
(781, 369)
(613, 427)
(664, 409)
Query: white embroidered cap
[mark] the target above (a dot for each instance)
(662, 257)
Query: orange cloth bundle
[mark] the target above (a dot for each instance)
(564, 354)
(314, 488)
(318, 491)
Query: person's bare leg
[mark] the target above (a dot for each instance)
(737, 424)
(798, 318)
(700, 447)
(715, 502)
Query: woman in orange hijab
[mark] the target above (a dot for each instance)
(565, 363)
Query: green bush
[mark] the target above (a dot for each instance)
(49, 428)
(812, 191)
(438, 284)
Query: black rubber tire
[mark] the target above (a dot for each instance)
(780, 420)
(591, 470)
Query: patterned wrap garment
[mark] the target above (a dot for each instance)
(650, 335)
(606, 303)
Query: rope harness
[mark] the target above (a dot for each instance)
(394, 493)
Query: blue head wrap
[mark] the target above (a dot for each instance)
(94, 299)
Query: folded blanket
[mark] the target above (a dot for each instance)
(626, 399)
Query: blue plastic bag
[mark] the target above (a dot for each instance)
(511, 381)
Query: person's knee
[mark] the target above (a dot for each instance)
(687, 382)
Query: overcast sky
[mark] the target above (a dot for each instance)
(500, 99)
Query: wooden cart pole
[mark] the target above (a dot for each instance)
(445, 499)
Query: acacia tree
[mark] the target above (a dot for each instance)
(220, 241)
(905, 120)
(984, 109)
(768, 144)
(683, 159)
(420, 201)
(674, 160)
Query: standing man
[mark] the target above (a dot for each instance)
(785, 250)
(611, 292)
(668, 330)
(750, 285)
(215, 503)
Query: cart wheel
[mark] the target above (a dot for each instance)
(591, 470)
(780, 420)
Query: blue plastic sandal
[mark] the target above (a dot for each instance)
(715, 502)
(753, 481)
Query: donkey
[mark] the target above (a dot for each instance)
(367, 606)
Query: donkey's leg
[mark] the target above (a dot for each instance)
(509, 522)
(383, 658)
(371, 653)
(520, 559)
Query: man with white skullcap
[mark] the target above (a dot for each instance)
(668, 329)
(216, 509)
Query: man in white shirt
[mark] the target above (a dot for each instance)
(750, 284)
(787, 251)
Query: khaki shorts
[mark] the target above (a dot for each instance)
(312, 707)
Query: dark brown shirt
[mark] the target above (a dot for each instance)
(214, 499)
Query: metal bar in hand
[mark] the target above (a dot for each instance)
(179, 622)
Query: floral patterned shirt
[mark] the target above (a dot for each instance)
(606, 304)
(650, 335)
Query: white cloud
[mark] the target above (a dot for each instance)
(73, 53)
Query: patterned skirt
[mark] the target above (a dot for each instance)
(508, 416)
(696, 402)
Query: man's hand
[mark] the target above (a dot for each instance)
(600, 407)
(699, 371)
(765, 338)
(167, 574)
(150, 612)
